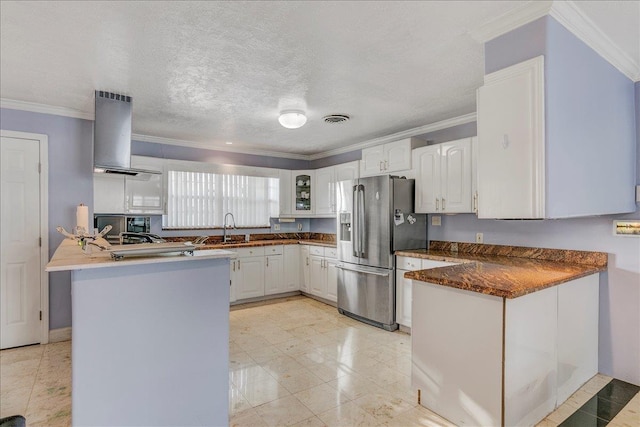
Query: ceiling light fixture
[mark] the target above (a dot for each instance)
(292, 119)
(229, 143)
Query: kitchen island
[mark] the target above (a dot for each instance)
(150, 337)
(506, 335)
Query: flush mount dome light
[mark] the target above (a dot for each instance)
(292, 119)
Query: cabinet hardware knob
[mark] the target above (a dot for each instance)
(386, 165)
(238, 265)
(443, 204)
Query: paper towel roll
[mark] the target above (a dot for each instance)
(82, 218)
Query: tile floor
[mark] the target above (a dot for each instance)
(293, 361)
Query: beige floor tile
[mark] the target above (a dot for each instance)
(240, 360)
(383, 406)
(266, 353)
(310, 422)
(237, 402)
(419, 416)
(354, 385)
(629, 416)
(281, 365)
(246, 376)
(284, 412)
(298, 380)
(262, 392)
(322, 398)
(330, 371)
(348, 415)
(248, 418)
(547, 423)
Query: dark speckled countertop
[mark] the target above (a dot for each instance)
(504, 271)
(267, 239)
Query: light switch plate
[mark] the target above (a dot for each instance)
(276, 227)
(436, 220)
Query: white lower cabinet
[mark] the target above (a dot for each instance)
(292, 268)
(250, 276)
(323, 273)
(274, 270)
(403, 286)
(529, 353)
(305, 263)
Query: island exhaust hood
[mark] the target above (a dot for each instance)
(112, 135)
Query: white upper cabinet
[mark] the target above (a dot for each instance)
(386, 158)
(511, 142)
(325, 191)
(285, 191)
(303, 188)
(108, 193)
(444, 177)
(145, 193)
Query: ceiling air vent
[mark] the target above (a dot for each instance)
(335, 118)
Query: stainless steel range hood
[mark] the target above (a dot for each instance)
(112, 135)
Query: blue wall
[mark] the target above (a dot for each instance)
(619, 326)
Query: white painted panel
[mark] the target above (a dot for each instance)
(316, 250)
(274, 250)
(20, 266)
(577, 334)
(331, 253)
(530, 357)
(305, 261)
(163, 359)
(249, 252)
(285, 192)
(332, 279)
(403, 299)
(108, 193)
(318, 276)
(428, 263)
(408, 263)
(324, 191)
(456, 339)
(347, 171)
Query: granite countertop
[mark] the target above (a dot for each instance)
(256, 243)
(504, 271)
(69, 256)
(267, 239)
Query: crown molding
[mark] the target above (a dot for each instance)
(68, 112)
(573, 19)
(569, 15)
(510, 20)
(45, 109)
(443, 124)
(205, 146)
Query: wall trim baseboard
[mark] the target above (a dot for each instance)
(60, 334)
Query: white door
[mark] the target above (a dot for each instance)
(250, 277)
(427, 161)
(20, 262)
(456, 176)
(273, 280)
(397, 155)
(318, 279)
(332, 279)
(324, 191)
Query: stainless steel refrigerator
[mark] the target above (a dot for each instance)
(375, 218)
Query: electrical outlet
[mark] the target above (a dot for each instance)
(436, 220)
(300, 227)
(479, 238)
(276, 227)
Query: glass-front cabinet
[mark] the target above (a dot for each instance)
(303, 187)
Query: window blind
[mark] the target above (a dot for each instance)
(201, 199)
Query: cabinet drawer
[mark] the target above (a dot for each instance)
(407, 263)
(316, 250)
(273, 250)
(331, 252)
(247, 252)
(427, 263)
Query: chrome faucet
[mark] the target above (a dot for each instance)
(225, 238)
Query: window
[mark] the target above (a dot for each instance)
(201, 199)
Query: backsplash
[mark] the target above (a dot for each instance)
(238, 238)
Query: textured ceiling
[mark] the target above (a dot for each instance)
(211, 72)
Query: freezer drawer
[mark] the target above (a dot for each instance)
(367, 294)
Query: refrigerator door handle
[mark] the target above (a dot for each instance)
(361, 221)
(356, 226)
(365, 270)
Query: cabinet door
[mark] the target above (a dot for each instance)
(372, 161)
(427, 162)
(145, 192)
(455, 176)
(403, 299)
(292, 268)
(233, 279)
(347, 171)
(285, 191)
(108, 193)
(332, 279)
(303, 189)
(511, 167)
(318, 276)
(273, 275)
(306, 269)
(250, 277)
(397, 155)
(324, 191)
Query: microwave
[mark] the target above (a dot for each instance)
(121, 224)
